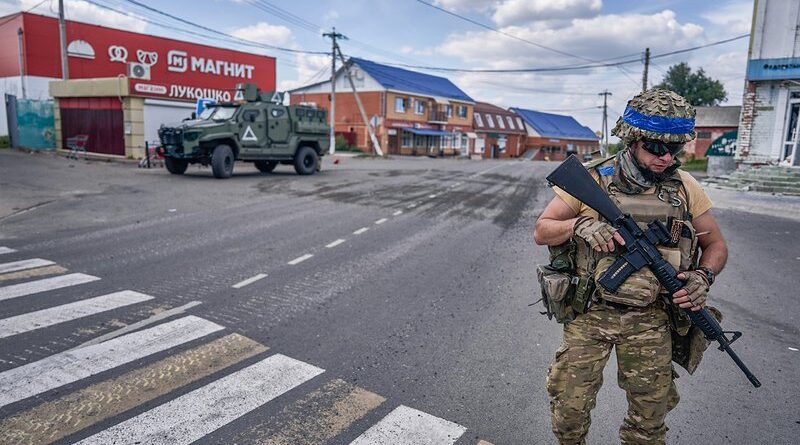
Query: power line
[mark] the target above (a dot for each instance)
(13, 16)
(571, 67)
(214, 31)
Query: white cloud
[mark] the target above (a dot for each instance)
(734, 18)
(512, 12)
(465, 5)
(595, 38)
(310, 69)
(265, 33)
(80, 11)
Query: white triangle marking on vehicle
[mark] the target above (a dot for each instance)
(239, 95)
(249, 135)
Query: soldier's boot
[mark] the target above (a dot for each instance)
(645, 373)
(573, 380)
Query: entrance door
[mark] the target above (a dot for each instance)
(479, 145)
(792, 130)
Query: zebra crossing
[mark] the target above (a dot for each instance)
(64, 396)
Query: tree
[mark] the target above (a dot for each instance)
(699, 89)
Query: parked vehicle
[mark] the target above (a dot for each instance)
(255, 128)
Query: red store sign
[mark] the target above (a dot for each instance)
(155, 66)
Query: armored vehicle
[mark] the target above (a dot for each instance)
(256, 127)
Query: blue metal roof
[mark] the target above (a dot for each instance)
(410, 81)
(555, 125)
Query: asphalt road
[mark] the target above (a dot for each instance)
(382, 295)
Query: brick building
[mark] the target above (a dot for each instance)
(413, 113)
(711, 123)
(554, 136)
(499, 133)
(770, 119)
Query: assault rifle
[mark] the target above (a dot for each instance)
(639, 251)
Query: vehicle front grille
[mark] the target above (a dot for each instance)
(170, 136)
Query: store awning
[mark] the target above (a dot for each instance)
(472, 135)
(424, 132)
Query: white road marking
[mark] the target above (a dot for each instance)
(360, 231)
(408, 426)
(70, 366)
(299, 260)
(793, 349)
(24, 264)
(432, 196)
(399, 212)
(34, 287)
(250, 280)
(72, 311)
(4, 249)
(335, 243)
(381, 221)
(206, 409)
(489, 169)
(412, 205)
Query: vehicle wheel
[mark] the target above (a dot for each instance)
(266, 166)
(222, 162)
(176, 166)
(305, 161)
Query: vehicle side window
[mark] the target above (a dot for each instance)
(300, 112)
(321, 114)
(250, 115)
(276, 112)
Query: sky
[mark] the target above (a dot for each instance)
(523, 34)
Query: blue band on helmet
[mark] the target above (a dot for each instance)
(658, 124)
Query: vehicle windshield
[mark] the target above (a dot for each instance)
(217, 113)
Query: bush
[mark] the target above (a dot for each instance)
(5, 142)
(695, 165)
(342, 145)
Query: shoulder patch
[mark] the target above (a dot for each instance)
(606, 171)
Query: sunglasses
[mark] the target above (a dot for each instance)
(658, 148)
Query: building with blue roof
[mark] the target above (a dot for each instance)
(555, 136)
(413, 113)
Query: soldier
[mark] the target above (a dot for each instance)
(644, 181)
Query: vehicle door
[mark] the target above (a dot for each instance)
(252, 129)
(279, 124)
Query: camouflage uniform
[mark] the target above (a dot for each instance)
(641, 334)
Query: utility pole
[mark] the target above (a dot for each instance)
(371, 130)
(333, 35)
(646, 67)
(62, 29)
(604, 138)
(21, 62)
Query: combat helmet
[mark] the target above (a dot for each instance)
(656, 114)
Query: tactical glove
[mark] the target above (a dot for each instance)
(696, 287)
(594, 232)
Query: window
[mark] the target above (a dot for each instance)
(448, 109)
(501, 143)
(510, 122)
(419, 106)
(462, 111)
(489, 120)
(250, 115)
(703, 135)
(276, 112)
(457, 141)
(419, 141)
(500, 122)
(406, 141)
(520, 125)
(432, 141)
(400, 104)
(478, 119)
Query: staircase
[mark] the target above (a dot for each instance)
(769, 179)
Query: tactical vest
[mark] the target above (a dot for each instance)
(666, 204)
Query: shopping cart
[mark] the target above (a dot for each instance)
(77, 144)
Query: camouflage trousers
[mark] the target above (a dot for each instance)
(644, 354)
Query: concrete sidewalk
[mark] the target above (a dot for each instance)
(755, 202)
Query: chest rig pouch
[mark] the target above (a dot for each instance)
(564, 293)
(670, 206)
